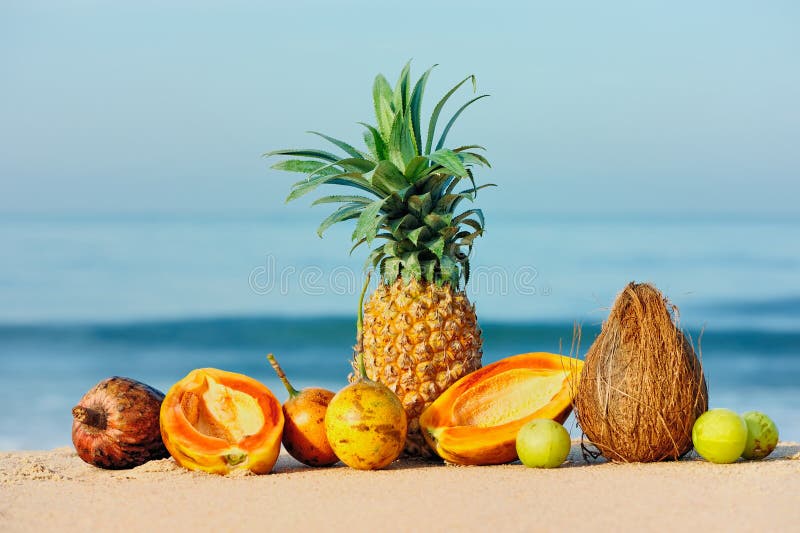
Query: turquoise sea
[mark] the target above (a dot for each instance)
(153, 295)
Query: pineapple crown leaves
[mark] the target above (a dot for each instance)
(406, 185)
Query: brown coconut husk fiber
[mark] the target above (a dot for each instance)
(642, 385)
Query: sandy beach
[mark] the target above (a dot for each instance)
(55, 490)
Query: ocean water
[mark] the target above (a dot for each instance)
(152, 296)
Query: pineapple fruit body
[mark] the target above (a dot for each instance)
(419, 338)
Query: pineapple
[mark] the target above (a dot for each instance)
(420, 331)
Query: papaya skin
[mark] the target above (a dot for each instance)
(476, 420)
(198, 441)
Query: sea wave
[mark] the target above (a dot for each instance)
(285, 333)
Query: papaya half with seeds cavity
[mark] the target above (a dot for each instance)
(476, 420)
(218, 421)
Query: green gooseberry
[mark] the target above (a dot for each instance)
(719, 436)
(762, 435)
(543, 443)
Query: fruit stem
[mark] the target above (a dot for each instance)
(360, 330)
(278, 370)
(90, 417)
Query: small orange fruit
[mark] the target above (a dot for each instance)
(304, 427)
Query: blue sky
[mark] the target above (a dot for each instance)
(596, 106)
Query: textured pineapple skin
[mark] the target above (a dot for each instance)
(419, 338)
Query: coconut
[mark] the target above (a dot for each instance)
(116, 424)
(642, 385)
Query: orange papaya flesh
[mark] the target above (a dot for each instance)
(476, 420)
(217, 421)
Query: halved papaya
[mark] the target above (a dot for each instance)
(218, 421)
(476, 420)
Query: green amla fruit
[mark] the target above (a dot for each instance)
(762, 435)
(543, 443)
(719, 436)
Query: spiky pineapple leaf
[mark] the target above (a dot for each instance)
(436, 222)
(391, 247)
(401, 144)
(448, 160)
(413, 182)
(452, 185)
(304, 152)
(436, 246)
(420, 205)
(475, 190)
(345, 212)
(303, 166)
(438, 109)
(473, 158)
(454, 117)
(415, 235)
(381, 89)
(402, 89)
(436, 183)
(369, 140)
(387, 177)
(473, 224)
(448, 202)
(448, 270)
(398, 227)
(390, 268)
(429, 269)
(348, 149)
(467, 239)
(411, 267)
(375, 142)
(416, 168)
(468, 147)
(471, 177)
(376, 255)
(350, 164)
(303, 187)
(369, 221)
(422, 182)
(415, 108)
(341, 199)
(469, 212)
(382, 98)
(412, 141)
(448, 232)
(353, 179)
(357, 244)
(387, 236)
(396, 202)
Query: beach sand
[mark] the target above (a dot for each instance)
(55, 490)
